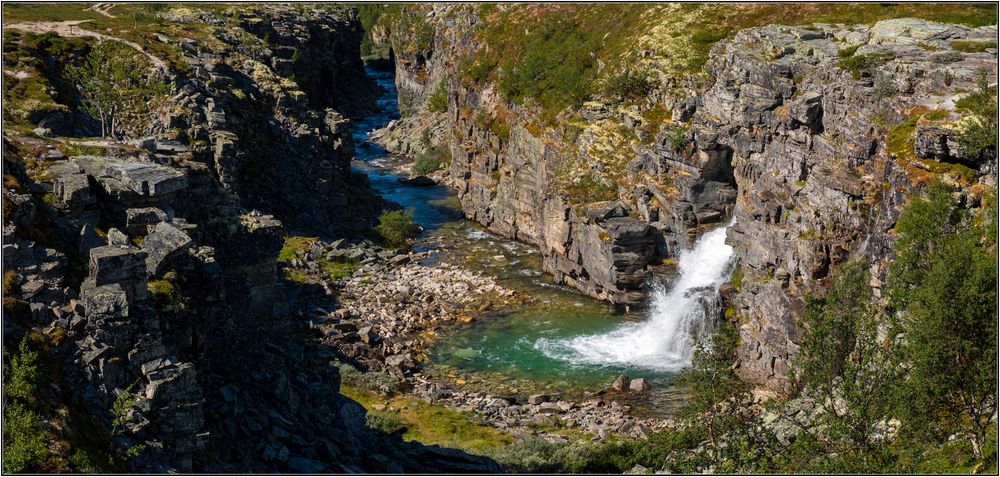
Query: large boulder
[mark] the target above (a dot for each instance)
(162, 245)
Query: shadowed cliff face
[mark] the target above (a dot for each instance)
(175, 236)
(810, 137)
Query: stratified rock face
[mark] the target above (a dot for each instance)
(268, 123)
(786, 138)
(816, 185)
(178, 233)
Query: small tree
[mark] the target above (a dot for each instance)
(980, 132)
(944, 284)
(113, 84)
(397, 228)
(24, 437)
(849, 370)
(952, 339)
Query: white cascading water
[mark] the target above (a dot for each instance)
(677, 317)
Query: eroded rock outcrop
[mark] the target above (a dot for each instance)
(788, 136)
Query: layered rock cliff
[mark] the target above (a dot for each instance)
(810, 139)
(150, 265)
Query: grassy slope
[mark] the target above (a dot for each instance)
(679, 36)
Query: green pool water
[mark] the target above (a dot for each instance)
(499, 351)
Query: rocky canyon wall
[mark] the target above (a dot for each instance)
(785, 133)
(151, 265)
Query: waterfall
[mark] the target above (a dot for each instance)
(678, 316)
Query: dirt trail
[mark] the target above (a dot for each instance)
(72, 29)
(103, 9)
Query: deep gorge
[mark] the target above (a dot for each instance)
(627, 233)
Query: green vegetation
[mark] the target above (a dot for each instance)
(973, 46)
(554, 69)
(858, 64)
(628, 84)
(980, 132)
(437, 102)
(843, 356)
(293, 246)
(114, 87)
(944, 281)
(590, 188)
(24, 437)
(433, 159)
(397, 228)
(165, 295)
(884, 89)
(424, 422)
(384, 421)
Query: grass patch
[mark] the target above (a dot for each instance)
(337, 270)
(428, 423)
(857, 64)
(971, 46)
(590, 188)
(294, 244)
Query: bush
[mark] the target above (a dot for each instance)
(24, 438)
(397, 228)
(385, 421)
(426, 163)
(591, 188)
(980, 133)
(857, 64)
(884, 88)
(382, 383)
(628, 84)
(556, 68)
(437, 102)
(973, 46)
(433, 159)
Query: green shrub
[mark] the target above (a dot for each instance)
(980, 133)
(674, 134)
(430, 161)
(628, 84)
(556, 69)
(382, 383)
(397, 228)
(847, 52)
(884, 88)
(857, 64)
(944, 283)
(591, 188)
(24, 438)
(165, 295)
(437, 102)
(945, 57)
(385, 421)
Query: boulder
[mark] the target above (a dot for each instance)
(165, 243)
(137, 220)
(620, 382)
(638, 385)
(419, 181)
(117, 238)
(146, 178)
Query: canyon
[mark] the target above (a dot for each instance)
(208, 287)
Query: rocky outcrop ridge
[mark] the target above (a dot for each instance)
(788, 137)
(816, 179)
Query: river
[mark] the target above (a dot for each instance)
(561, 341)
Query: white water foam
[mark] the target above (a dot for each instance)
(677, 318)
